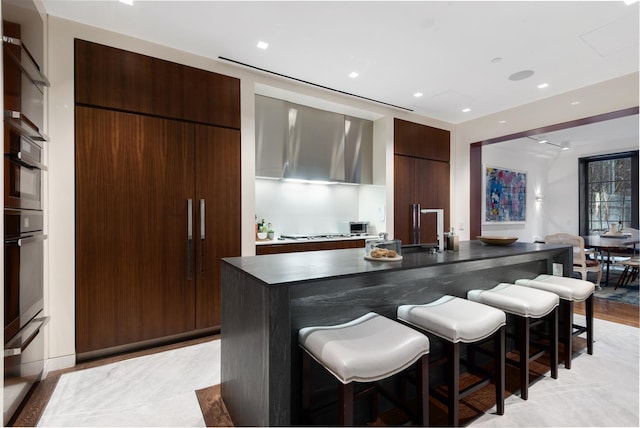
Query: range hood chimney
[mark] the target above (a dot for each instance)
(301, 142)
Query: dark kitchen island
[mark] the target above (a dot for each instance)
(267, 299)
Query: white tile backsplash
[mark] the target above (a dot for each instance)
(307, 208)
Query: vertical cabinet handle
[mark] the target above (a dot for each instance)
(189, 238)
(419, 241)
(202, 237)
(415, 223)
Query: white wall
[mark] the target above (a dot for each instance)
(536, 169)
(561, 196)
(604, 97)
(310, 208)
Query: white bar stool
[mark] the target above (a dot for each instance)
(459, 321)
(569, 290)
(367, 349)
(525, 304)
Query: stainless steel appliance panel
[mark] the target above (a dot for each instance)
(315, 144)
(23, 365)
(23, 165)
(358, 150)
(271, 136)
(23, 269)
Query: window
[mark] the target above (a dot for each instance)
(608, 191)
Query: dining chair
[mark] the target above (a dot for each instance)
(581, 263)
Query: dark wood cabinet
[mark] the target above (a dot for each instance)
(308, 246)
(421, 141)
(424, 182)
(123, 80)
(134, 175)
(158, 199)
(421, 176)
(217, 178)
(141, 272)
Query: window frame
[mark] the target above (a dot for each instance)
(583, 198)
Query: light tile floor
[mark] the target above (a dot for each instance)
(158, 390)
(152, 390)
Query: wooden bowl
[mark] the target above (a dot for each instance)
(497, 240)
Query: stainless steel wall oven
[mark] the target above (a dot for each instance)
(23, 173)
(24, 240)
(23, 305)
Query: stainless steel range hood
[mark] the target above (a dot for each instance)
(296, 141)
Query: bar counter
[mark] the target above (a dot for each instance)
(267, 299)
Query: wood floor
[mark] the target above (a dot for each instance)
(609, 310)
(30, 414)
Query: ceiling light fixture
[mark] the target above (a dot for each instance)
(502, 121)
(630, 2)
(418, 94)
(466, 110)
(354, 74)
(543, 85)
(262, 45)
(565, 145)
(575, 103)
(128, 2)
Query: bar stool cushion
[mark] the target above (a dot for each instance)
(367, 349)
(517, 300)
(571, 289)
(454, 319)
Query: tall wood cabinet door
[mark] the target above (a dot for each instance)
(404, 197)
(134, 175)
(431, 191)
(218, 198)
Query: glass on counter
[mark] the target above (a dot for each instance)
(383, 249)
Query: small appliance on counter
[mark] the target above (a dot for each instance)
(359, 228)
(383, 249)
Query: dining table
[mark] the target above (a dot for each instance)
(627, 242)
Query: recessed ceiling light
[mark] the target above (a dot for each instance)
(466, 110)
(502, 121)
(521, 75)
(418, 94)
(129, 2)
(575, 103)
(262, 45)
(354, 74)
(543, 85)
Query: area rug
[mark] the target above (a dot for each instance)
(629, 293)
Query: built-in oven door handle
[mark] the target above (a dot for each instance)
(19, 343)
(29, 162)
(31, 240)
(189, 238)
(202, 237)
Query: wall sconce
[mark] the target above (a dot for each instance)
(539, 197)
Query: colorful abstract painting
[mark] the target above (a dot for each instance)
(505, 195)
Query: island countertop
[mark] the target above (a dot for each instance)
(267, 299)
(283, 269)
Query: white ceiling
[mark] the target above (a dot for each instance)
(458, 54)
(600, 137)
